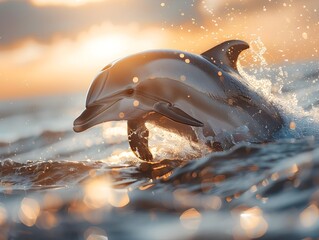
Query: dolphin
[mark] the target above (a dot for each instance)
(198, 96)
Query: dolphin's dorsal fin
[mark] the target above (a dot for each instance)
(225, 55)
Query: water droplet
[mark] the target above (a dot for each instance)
(136, 103)
(135, 79)
(190, 219)
(29, 211)
(182, 78)
(253, 222)
(292, 125)
(309, 216)
(121, 115)
(3, 215)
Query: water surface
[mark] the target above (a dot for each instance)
(55, 184)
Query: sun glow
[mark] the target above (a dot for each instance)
(69, 3)
(70, 64)
(110, 44)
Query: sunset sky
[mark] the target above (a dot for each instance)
(57, 46)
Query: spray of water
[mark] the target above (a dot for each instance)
(169, 145)
(269, 81)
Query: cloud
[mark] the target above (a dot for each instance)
(21, 19)
(50, 48)
(34, 68)
(68, 3)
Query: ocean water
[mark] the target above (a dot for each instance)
(56, 184)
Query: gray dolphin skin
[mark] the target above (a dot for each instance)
(197, 96)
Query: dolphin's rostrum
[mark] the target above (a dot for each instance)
(195, 95)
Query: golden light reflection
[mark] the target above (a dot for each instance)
(29, 211)
(95, 233)
(98, 193)
(78, 208)
(121, 115)
(47, 220)
(228, 199)
(310, 216)
(190, 219)
(119, 198)
(275, 176)
(213, 202)
(3, 215)
(135, 79)
(294, 169)
(68, 3)
(253, 222)
(265, 182)
(253, 188)
(136, 103)
(52, 201)
(292, 125)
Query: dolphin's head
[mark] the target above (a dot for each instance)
(132, 87)
(111, 97)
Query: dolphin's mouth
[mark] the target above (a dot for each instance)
(90, 117)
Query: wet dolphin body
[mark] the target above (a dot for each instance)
(195, 95)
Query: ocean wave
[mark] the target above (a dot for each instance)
(270, 183)
(27, 144)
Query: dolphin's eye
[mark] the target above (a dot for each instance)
(130, 91)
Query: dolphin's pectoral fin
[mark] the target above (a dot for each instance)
(226, 54)
(176, 114)
(138, 139)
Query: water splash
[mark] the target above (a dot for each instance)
(269, 81)
(165, 144)
(259, 78)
